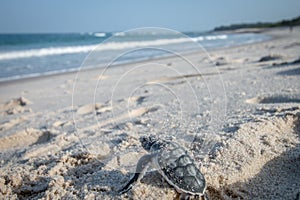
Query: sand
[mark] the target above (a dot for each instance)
(237, 111)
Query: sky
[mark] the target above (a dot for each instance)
(37, 16)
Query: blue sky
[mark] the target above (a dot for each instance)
(113, 15)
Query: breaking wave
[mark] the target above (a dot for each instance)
(50, 51)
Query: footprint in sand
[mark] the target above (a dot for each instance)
(292, 45)
(24, 138)
(15, 106)
(89, 108)
(138, 100)
(59, 123)
(220, 61)
(269, 58)
(128, 115)
(286, 63)
(8, 125)
(274, 99)
(174, 78)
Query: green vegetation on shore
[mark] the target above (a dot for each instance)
(290, 23)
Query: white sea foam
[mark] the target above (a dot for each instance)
(119, 34)
(46, 52)
(102, 47)
(216, 37)
(100, 34)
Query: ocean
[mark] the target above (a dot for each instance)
(33, 55)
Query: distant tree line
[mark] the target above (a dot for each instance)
(289, 23)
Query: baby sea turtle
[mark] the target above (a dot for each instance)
(174, 163)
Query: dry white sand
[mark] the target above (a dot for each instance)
(236, 110)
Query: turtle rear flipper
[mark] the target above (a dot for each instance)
(141, 167)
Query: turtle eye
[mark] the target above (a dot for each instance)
(145, 143)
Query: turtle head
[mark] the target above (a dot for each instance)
(148, 141)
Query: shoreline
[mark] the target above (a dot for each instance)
(75, 70)
(237, 112)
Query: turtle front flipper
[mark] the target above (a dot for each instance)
(129, 185)
(139, 172)
(184, 196)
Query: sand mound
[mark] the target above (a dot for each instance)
(24, 138)
(15, 106)
(261, 161)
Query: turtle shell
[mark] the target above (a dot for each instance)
(179, 169)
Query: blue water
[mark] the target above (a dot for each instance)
(30, 55)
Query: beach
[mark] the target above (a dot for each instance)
(236, 110)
